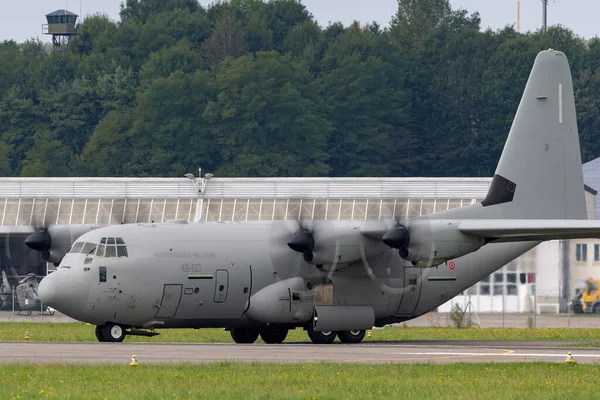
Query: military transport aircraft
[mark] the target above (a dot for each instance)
(334, 278)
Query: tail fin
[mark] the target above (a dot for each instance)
(539, 175)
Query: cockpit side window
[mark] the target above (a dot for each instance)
(88, 248)
(76, 247)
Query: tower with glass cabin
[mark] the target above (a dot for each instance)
(62, 25)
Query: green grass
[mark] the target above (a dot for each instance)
(300, 381)
(79, 332)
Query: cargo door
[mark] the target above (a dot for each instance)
(411, 292)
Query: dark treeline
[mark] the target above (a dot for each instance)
(254, 88)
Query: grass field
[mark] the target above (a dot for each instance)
(302, 381)
(79, 332)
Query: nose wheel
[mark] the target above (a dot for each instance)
(110, 332)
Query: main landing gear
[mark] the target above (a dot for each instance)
(110, 332)
(271, 335)
(276, 335)
(327, 337)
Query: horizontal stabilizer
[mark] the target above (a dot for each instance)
(516, 230)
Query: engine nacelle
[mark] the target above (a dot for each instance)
(55, 241)
(434, 242)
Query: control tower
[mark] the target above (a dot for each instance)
(62, 26)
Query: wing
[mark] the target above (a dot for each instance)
(517, 230)
(22, 230)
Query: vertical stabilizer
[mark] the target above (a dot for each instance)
(539, 175)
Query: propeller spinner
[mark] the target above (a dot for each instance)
(39, 241)
(303, 242)
(397, 237)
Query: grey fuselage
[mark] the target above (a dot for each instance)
(237, 275)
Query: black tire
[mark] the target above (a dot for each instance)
(113, 333)
(578, 309)
(351, 337)
(244, 335)
(274, 335)
(323, 337)
(99, 333)
(596, 309)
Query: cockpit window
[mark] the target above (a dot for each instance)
(110, 251)
(100, 250)
(89, 248)
(76, 247)
(112, 247)
(121, 251)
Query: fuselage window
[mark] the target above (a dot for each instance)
(102, 276)
(121, 251)
(76, 247)
(100, 251)
(110, 251)
(88, 248)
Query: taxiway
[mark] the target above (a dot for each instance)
(373, 352)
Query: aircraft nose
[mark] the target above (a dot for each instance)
(64, 291)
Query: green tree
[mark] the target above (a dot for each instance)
(181, 57)
(168, 134)
(108, 151)
(227, 40)
(48, 156)
(267, 118)
(368, 115)
(142, 10)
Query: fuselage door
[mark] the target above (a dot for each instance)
(170, 301)
(221, 285)
(411, 292)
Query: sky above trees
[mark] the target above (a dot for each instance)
(23, 19)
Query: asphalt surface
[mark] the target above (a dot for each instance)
(373, 352)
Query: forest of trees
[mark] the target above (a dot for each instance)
(258, 88)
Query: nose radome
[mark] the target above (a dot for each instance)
(65, 291)
(47, 290)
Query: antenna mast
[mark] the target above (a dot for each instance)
(545, 15)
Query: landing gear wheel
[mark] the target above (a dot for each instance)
(113, 333)
(244, 335)
(99, 333)
(322, 337)
(351, 337)
(274, 335)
